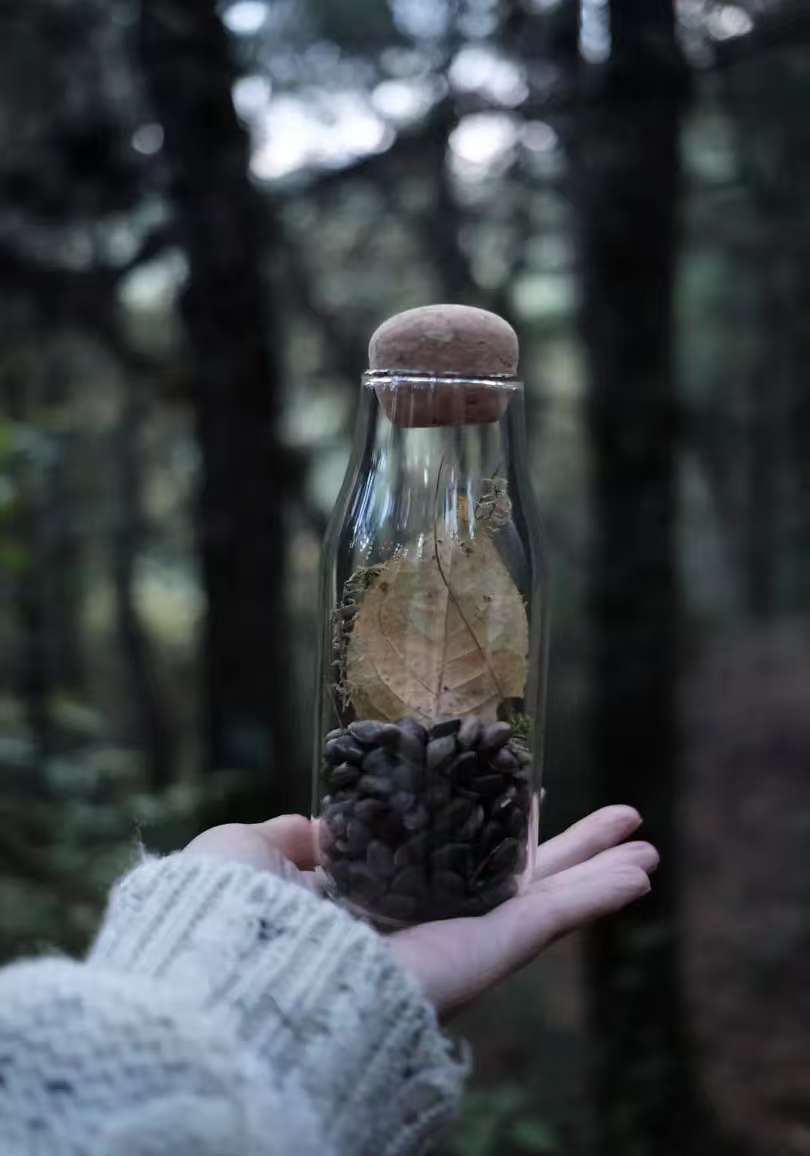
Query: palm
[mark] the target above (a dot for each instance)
(580, 875)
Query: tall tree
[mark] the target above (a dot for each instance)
(225, 231)
(153, 725)
(626, 169)
(34, 667)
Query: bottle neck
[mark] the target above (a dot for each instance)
(408, 479)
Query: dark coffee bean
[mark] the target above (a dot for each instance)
(491, 835)
(411, 748)
(380, 762)
(338, 800)
(407, 777)
(341, 847)
(369, 809)
(375, 785)
(470, 827)
(496, 893)
(469, 732)
(389, 736)
(345, 775)
(504, 802)
(337, 733)
(366, 731)
(380, 859)
(390, 828)
(343, 801)
(416, 819)
(352, 751)
(402, 801)
(403, 908)
(410, 881)
(331, 754)
(453, 815)
(468, 793)
(523, 797)
(502, 860)
(465, 766)
(446, 886)
(344, 749)
(414, 851)
(488, 784)
(413, 727)
(336, 824)
(439, 752)
(357, 836)
(517, 823)
(451, 857)
(437, 792)
(523, 755)
(363, 883)
(495, 735)
(448, 726)
(490, 896)
(503, 760)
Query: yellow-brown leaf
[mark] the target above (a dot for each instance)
(439, 640)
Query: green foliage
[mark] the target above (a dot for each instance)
(69, 831)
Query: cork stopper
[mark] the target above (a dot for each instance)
(439, 339)
(456, 342)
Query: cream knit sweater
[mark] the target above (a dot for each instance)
(223, 1011)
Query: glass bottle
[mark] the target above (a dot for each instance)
(430, 699)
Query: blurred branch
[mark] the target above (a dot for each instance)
(155, 243)
(25, 271)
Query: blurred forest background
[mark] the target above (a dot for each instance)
(204, 211)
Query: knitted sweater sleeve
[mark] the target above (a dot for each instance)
(223, 1011)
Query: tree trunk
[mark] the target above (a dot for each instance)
(153, 730)
(63, 582)
(627, 183)
(235, 360)
(34, 667)
(441, 220)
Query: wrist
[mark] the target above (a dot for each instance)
(309, 989)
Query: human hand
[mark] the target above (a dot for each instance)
(580, 875)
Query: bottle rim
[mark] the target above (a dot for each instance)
(418, 379)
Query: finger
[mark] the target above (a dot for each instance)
(293, 836)
(499, 943)
(638, 854)
(562, 907)
(585, 839)
(525, 925)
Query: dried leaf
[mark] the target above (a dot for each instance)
(434, 638)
